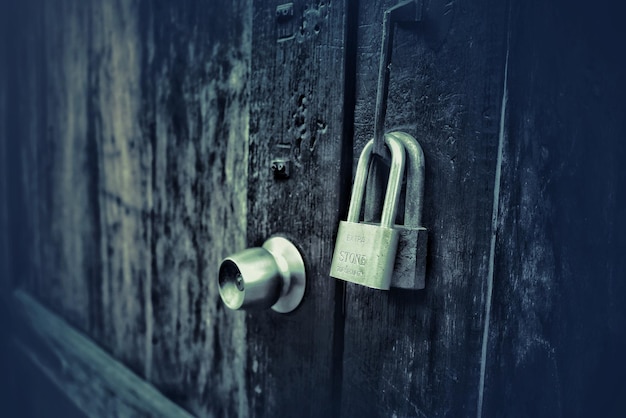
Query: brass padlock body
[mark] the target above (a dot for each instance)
(365, 254)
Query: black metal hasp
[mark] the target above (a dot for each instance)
(406, 11)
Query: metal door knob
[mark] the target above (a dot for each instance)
(271, 276)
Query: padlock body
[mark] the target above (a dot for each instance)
(365, 254)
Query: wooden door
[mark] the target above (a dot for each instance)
(137, 144)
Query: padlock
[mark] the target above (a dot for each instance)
(410, 267)
(365, 253)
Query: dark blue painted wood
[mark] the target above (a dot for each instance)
(558, 322)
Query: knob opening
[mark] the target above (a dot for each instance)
(231, 285)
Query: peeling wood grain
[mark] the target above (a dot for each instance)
(133, 175)
(124, 184)
(418, 353)
(196, 107)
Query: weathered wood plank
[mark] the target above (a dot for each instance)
(124, 184)
(417, 353)
(132, 182)
(297, 113)
(558, 323)
(195, 115)
(97, 383)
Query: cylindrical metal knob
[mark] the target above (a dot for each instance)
(271, 276)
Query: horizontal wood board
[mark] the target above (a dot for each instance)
(93, 380)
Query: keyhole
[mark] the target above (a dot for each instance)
(239, 282)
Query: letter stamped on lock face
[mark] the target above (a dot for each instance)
(353, 258)
(350, 271)
(356, 238)
(353, 263)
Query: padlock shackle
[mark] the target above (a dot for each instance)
(414, 201)
(394, 185)
(360, 178)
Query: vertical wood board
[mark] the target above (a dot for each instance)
(195, 116)
(297, 114)
(418, 353)
(124, 182)
(558, 319)
(132, 180)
